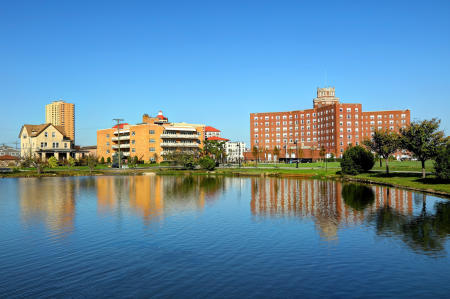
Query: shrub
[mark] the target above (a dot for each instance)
(102, 160)
(52, 162)
(71, 162)
(207, 163)
(442, 163)
(357, 159)
(108, 160)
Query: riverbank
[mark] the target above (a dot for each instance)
(406, 180)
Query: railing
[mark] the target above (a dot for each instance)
(179, 144)
(121, 137)
(122, 132)
(127, 145)
(187, 136)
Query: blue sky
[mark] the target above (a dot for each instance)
(214, 62)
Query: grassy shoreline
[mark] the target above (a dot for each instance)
(406, 180)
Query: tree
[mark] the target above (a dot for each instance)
(155, 157)
(299, 153)
(442, 162)
(322, 152)
(91, 162)
(357, 159)
(36, 162)
(207, 163)
(102, 160)
(108, 160)
(384, 143)
(52, 162)
(423, 140)
(276, 153)
(214, 149)
(71, 162)
(255, 153)
(132, 162)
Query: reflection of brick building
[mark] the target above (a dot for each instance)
(330, 123)
(320, 200)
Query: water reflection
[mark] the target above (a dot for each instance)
(155, 196)
(422, 224)
(43, 201)
(328, 203)
(425, 232)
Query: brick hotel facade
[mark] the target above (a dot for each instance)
(330, 123)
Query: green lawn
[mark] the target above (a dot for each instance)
(405, 166)
(407, 180)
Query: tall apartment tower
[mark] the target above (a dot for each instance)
(60, 113)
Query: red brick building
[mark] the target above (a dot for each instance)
(330, 123)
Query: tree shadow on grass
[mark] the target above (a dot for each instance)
(431, 180)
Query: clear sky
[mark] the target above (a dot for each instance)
(214, 62)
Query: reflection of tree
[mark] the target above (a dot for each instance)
(189, 185)
(424, 233)
(357, 196)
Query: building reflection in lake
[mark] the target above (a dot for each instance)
(48, 201)
(152, 197)
(322, 201)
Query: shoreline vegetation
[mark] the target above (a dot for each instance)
(406, 174)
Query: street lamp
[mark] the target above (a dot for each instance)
(285, 155)
(239, 154)
(296, 152)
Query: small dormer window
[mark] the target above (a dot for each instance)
(24, 136)
(46, 134)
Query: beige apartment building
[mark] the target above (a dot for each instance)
(151, 140)
(60, 113)
(45, 141)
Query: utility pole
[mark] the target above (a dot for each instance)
(118, 120)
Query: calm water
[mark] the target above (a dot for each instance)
(168, 236)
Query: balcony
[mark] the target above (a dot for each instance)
(181, 136)
(127, 137)
(125, 145)
(122, 132)
(180, 144)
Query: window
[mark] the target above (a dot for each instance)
(133, 133)
(46, 134)
(107, 151)
(133, 150)
(65, 144)
(107, 135)
(151, 140)
(53, 134)
(151, 132)
(349, 109)
(107, 143)
(133, 141)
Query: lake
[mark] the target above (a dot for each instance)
(208, 236)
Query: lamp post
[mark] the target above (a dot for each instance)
(296, 153)
(239, 153)
(285, 155)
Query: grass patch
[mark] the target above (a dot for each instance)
(411, 180)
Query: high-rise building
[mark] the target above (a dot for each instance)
(329, 124)
(60, 113)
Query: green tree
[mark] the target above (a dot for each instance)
(102, 160)
(71, 162)
(423, 140)
(91, 161)
(108, 160)
(255, 153)
(356, 159)
(442, 162)
(322, 152)
(384, 143)
(207, 163)
(52, 162)
(215, 149)
(276, 153)
(132, 162)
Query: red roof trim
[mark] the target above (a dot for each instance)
(211, 129)
(217, 138)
